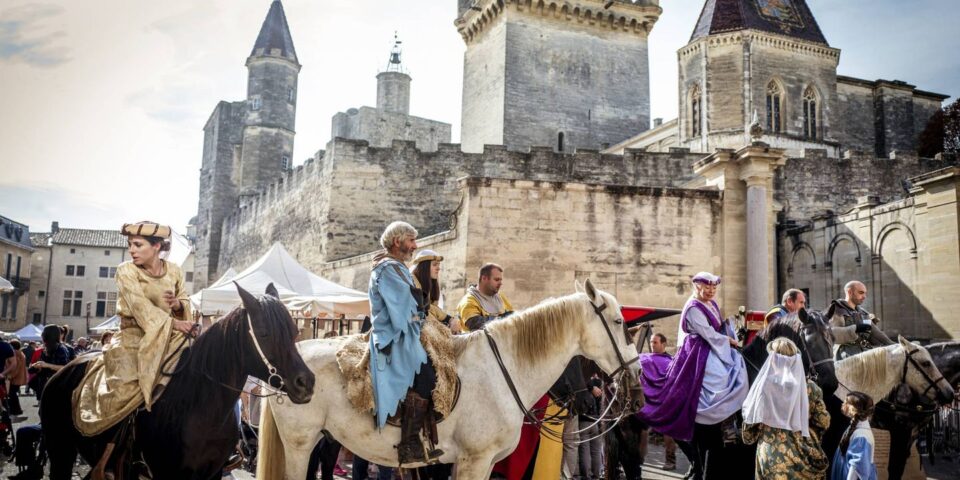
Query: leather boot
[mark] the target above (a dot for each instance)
(412, 448)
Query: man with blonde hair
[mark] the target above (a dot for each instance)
(396, 354)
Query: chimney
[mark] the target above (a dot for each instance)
(55, 227)
(657, 122)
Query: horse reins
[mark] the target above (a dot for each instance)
(527, 413)
(931, 383)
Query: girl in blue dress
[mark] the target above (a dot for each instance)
(854, 458)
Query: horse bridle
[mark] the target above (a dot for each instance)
(806, 350)
(931, 383)
(624, 365)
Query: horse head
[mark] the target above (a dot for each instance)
(271, 351)
(817, 341)
(922, 375)
(604, 337)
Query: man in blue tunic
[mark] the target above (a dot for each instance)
(399, 366)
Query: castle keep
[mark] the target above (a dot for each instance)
(559, 176)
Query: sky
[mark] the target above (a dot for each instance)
(103, 103)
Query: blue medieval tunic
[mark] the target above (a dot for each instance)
(396, 324)
(857, 463)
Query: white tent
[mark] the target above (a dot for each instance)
(5, 286)
(299, 288)
(225, 278)
(29, 333)
(113, 323)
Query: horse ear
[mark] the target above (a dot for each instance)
(803, 315)
(903, 341)
(249, 301)
(577, 286)
(634, 333)
(590, 290)
(272, 291)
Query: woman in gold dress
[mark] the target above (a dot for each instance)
(154, 312)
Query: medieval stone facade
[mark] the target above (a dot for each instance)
(536, 187)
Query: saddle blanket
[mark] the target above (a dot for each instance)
(353, 358)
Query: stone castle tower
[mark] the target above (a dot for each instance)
(553, 73)
(247, 144)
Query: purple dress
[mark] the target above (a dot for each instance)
(676, 396)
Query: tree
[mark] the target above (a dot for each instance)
(942, 133)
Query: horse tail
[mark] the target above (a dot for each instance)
(270, 460)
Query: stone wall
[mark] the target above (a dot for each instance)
(555, 74)
(904, 251)
(222, 135)
(883, 116)
(337, 206)
(813, 184)
(639, 243)
(381, 127)
(592, 87)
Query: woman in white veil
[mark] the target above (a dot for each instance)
(785, 415)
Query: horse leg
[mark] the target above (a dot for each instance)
(473, 468)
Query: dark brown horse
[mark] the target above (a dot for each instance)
(192, 429)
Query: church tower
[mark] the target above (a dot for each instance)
(268, 132)
(565, 75)
(246, 144)
(763, 57)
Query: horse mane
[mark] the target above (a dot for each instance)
(534, 331)
(867, 368)
(217, 353)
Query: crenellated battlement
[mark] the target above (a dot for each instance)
(351, 190)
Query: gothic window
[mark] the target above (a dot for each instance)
(284, 163)
(560, 142)
(696, 111)
(774, 107)
(255, 103)
(810, 113)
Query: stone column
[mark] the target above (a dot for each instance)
(758, 266)
(747, 244)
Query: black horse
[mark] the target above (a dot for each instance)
(903, 413)
(192, 429)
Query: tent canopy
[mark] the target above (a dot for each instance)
(299, 288)
(5, 285)
(112, 323)
(29, 333)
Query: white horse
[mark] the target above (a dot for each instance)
(535, 344)
(878, 371)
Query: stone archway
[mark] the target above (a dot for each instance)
(895, 301)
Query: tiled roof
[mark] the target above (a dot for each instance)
(275, 34)
(785, 17)
(89, 238)
(15, 233)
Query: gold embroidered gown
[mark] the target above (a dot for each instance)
(128, 372)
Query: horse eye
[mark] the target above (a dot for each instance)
(926, 363)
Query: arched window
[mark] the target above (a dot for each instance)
(696, 111)
(560, 142)
(774, 107)
(810, 113)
